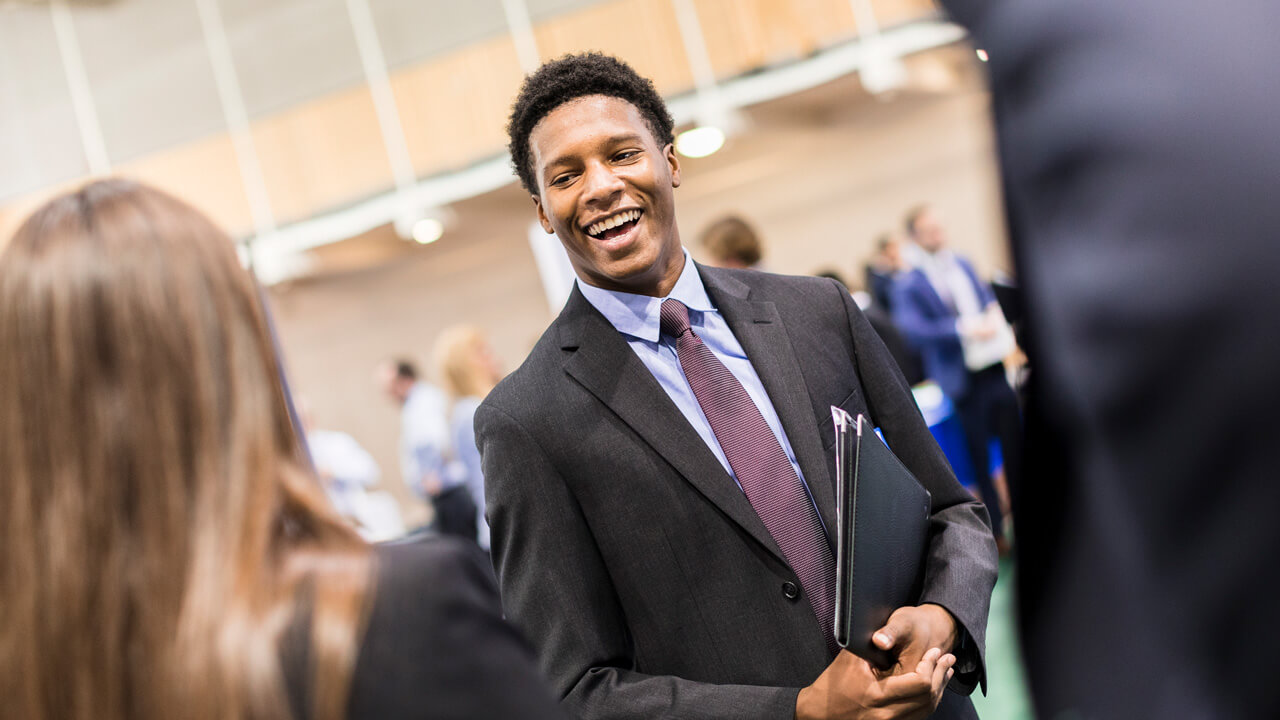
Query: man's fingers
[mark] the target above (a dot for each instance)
(913, 686)
(897, 628)
(928, 662)
(942, 672)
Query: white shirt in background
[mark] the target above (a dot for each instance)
(424, 440)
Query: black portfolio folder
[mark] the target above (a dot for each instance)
(883, 530)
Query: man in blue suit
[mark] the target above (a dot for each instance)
(940, 306)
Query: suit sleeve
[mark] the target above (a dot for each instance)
(556, 588)
(962, 563)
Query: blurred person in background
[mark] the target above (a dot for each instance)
(732, 242)
(952, 318)
(469, 370)
(427, 461)
(349, 475)
(655, 470)
(1141, 167)
(164, 550)
(884, 268)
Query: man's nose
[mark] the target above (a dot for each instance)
(602, 184)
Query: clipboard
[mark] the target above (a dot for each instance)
(882, 534)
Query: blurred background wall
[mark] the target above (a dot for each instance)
(318, 132)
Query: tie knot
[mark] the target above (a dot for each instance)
(674, 318)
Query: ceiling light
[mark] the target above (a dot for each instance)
(982, 55)
(700, 141)
(883, 73)
(427, 230)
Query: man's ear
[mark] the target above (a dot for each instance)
(542, 215)
(673, 164)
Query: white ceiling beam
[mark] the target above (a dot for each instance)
(95, 147)
(236, 117)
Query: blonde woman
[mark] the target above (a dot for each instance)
(164, 550)
(469, 370)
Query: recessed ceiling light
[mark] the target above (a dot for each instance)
(700, 141)
(427, 230)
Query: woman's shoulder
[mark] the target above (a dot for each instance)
(424, 589)
(436, 645)
(428, 566)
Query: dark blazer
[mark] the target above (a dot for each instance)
(929, 325)
(907, 357)
(629, 556)
(1141, 166)
(436, 646)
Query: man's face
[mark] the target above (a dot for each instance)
(929, 233)
(893, 254)
(395, 387)
(605, 188)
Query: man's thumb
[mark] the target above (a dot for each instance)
(887, 636)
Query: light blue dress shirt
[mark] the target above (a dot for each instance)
(637, 318)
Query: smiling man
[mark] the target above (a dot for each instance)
(659, 470)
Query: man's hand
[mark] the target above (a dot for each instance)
(850, 689)
(911, 631)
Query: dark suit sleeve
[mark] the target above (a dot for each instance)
(961, 568)
(437, 648)
(556, 588)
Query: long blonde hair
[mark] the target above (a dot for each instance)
(158, 525)
(465, 362)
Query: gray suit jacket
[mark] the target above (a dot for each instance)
(631, 559)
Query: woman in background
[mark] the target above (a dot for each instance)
(165, 551)
(469, 370)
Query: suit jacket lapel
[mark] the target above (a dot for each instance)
(603, 363)
(925, 287)
(760, 331)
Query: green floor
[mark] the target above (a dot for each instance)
(1006, 697)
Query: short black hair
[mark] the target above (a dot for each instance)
(831, 275)
(405, 369)
(571, 77)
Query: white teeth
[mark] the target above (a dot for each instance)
(612, 222)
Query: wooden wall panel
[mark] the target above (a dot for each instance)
(642, 32)
(322, 154)
(205, 173)
(896, 12)
(454, 108)
(746, 34)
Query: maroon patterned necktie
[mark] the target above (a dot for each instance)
(760, 464)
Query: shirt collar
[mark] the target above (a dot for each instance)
(938, 261)
(639, 315)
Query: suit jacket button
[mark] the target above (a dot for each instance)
(790, 591)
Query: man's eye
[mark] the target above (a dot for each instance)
(561, 180)
(625, 155)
